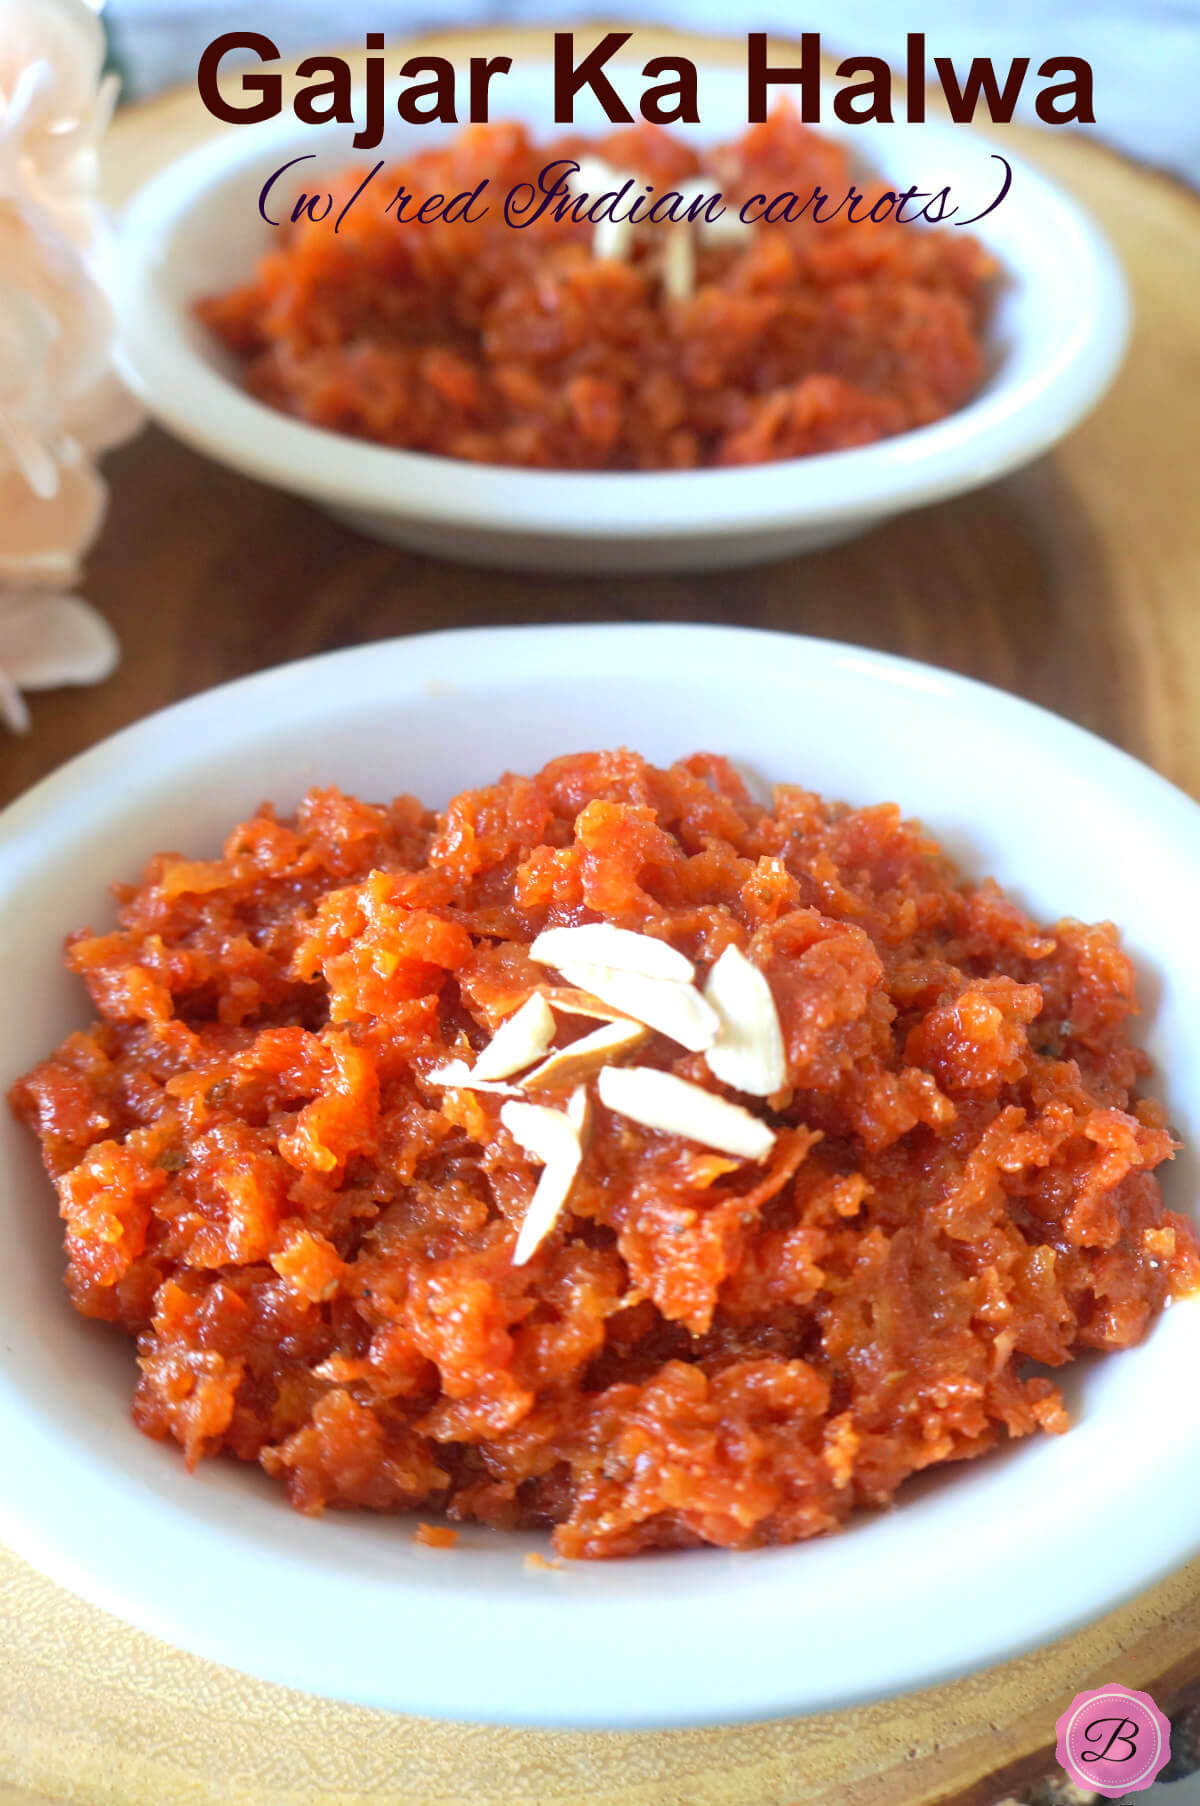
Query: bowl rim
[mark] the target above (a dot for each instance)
(1006, 425)
(135, 1582)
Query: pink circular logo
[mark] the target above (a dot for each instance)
(1113, 1740)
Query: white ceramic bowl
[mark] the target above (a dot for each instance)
(1057, 336)
(984, 1561)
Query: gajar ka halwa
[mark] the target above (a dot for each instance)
(899, 1168)
(540, 345)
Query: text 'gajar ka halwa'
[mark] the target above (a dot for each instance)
(608, 1152)
(570, 344)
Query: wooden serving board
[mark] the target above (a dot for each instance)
(1075, 582)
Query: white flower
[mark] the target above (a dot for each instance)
(54, 101)
(46, 641)
(55, 342)
(43, 537)
(60, 404)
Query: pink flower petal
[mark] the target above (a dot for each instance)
(52, 118)
(47, 641)
(106, 416)
(43, 539)
(13, 712)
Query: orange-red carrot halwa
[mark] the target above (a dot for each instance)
(517, 345)
(313, 1242)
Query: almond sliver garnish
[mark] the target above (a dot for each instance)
(748, 1054)
(679, 261)
(458, 1076)
(552, 1138)
(728, 225)
(568, 1065)
(581, 1003)
(594, 175)
(519, 1042)
(610, 237)
(664, 1004)
(620, 949)
(579, 1111)
(659, 1100)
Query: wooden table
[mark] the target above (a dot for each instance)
(1075, 583)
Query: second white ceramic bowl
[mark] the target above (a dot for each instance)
(1055, 340)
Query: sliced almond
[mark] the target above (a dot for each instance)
(658, 1100)
(458, 1076)
(679, 262)
(579, 1111)
(696, 188)
(728, 224)
(552, 1138)
(728, 227)
(673, 1009)
(581, 1003)
(545, 1133)
(612, 238)
(519, 1042)
(749, 1052)
(595, 177)
(600, 944)
(569, 1065)
(591, 171)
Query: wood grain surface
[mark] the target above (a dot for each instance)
(1074, 582)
